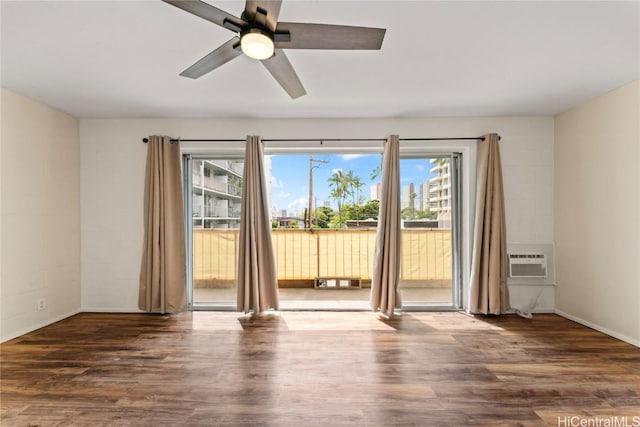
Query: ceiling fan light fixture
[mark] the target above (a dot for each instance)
(257, 44)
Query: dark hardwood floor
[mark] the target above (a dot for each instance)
(317, 369)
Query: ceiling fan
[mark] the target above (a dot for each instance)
(262, 37)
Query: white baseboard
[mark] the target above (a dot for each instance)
(535, 311)
(39, 325)
(598, 328)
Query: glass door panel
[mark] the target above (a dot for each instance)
(215, 195)
(324, 211)
(427, 275)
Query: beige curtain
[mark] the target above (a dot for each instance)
(257, 279)
(386, 264)
(488, 287)
(163, 271)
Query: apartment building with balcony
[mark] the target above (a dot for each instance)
(439, 188)
(217, 193)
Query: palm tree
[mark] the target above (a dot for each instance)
(442, 161)
(375, 173)
(339, 185)
(355, 184)
(413, 197)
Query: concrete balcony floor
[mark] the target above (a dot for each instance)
(330, 299)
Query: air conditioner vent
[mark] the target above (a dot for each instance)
(337, 283)
(527, 265)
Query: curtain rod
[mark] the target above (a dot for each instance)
(321, 140)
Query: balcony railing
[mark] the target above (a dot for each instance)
(232, 187)
(215, 184)
(302, 255)
(215, 212)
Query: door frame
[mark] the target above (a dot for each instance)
(467, 150)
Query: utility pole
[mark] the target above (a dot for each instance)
(309, 216)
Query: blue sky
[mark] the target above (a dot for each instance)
(290, 177)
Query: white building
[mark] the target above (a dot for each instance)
(440, 189)
(424, 196)
(406, 199)
(217, 193)
(374, 191)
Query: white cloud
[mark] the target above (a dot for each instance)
(276, 183)
(335, 171)
(421, 167)
(297, 205)
(351, 156)
(283, 194)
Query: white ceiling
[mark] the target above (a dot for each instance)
(120, 59)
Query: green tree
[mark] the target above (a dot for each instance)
(335, 222)
(426, 214)
(375, 173)
(354, 184)
(442, 161)
(294, 224)
(412, 204)
(349, 212)
(322, 216)
(406, 213)
(371, 209)
(339, 186)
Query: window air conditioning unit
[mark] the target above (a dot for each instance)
(527, 265)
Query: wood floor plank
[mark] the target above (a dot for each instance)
(315, 369)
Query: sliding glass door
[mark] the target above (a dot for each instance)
(429, 275)
(324, 212)
(213, 198)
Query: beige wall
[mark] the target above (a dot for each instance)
(40, 215)
(596, 206)
(112, 181)
(597, 213)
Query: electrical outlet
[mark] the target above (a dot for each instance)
(42, 304)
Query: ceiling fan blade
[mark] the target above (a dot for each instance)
(210, 13)
(282, 70)
(213, 60)
(264, 12)
(323, 36)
